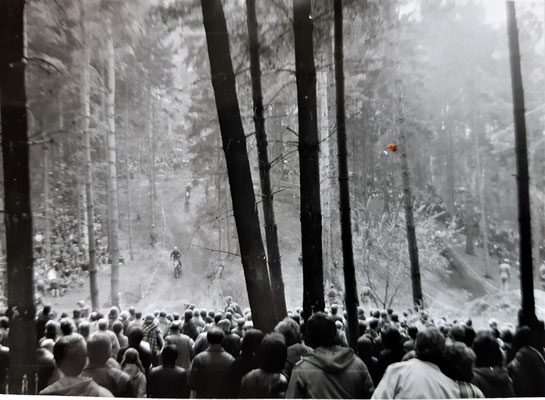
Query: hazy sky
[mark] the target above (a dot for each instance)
(496, 8)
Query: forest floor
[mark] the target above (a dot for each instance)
(148, 282)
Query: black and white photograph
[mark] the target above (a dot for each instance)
(324, 199)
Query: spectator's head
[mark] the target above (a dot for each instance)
(162, 314)
(124, 316)
(117, 327)
(211, 314)
(215, 335)
(506, 335)
(48, 344)
(84, 329)
(225, 326)
(46, 310)
(523, 337)
(250, 342)
(132, 311)
(391, 338)
(99, 349)
(457, 333)
(365, 347)
(218, 317)
(290, 330)
(103, 325)
(175, 316)
(240, 323)
(229, 316)
(376, 314)
(70, 354)
(51, 329)
(76, 314)
(169, 356)
(93, 317)
(487, 350)
(430, 345)
(373, 323)
(175, 326)
(138, 315)
(196, 313)
(203, 314)
(67, 326)
(135, 337)
(188, 315)
(114, 313)
(321, 330)
(272, 353)
(149, 318)
(156, 313)
(131, 357)
(334, 309)
(458, 362)
(394, 318)
(412, 331)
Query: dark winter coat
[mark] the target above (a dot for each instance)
(241, 366)
(330, 373)
(113, 379)
(168, 382)
(527, 370)
(209, 373)
(493, 381)
(258, 384)
(231, 344)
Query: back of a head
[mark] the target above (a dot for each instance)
(487, 350)
(290, 329)
(272, 353)
(67, 326)
(70, 354)
(365, 347)
(169, 355)
(103, 324)
(188, 315)
(84, 328)
(376, 314)
(430, 345)
(218, 317)
(196, 313)
(391, 338)
(99, 349)
(458, 362)
(138, 315)
(321, 330)
(175, 326)
(203, 314)
(524, 336)
(51, 328)
(240, 323)
(76, 314)
(117, 327)
(215, 335)
(225, 326)
(135, 336)
(251, 342)
(334, 309)
(457, 333)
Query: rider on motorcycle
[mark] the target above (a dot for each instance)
(187, 192)
(176, 257)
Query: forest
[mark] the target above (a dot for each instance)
(297, 153)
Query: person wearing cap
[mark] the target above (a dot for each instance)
(182, 343)
(70, 354)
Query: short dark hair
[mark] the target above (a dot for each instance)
(272, 353)
(412, 331)
(67, 326)
(99, 349)
(390, 337)
(430, 345)
(70, 354)
(188, 314)
(290, 329)
(321, 330)
(251, 341)
(458, 362)
(365, 347)
(169, 355)
(117, 327)
(215, 335)
(487, 350)
(135, 336)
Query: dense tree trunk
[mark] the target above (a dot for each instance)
(47, 217)
(271, 232)
(112, 172)
(350, 287)
(128, 171)
(525, 224)
(238, 166)
(311, 214)
(418, 300)
(86, 117)
(17, 212)
(151, 136)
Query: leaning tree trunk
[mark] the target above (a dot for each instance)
(238, 166)
(89, 197)
(17, 212)
(112, 172)
(127, 167)
(311, 213)
(525, 225)
(271, 233)
(350, 286)
(47, 220)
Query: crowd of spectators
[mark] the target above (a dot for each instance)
(219, 354)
